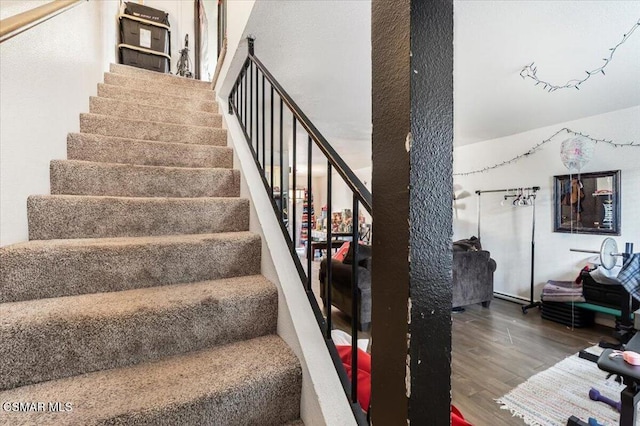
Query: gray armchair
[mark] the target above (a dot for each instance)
(472, 278)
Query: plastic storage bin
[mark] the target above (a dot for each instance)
(145, 35)
(145, 38)
(142, 58)
(146, 12)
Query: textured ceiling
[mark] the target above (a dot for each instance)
(495, 39)
(321, 53)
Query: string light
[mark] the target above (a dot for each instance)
(530, 71)
(536, 147)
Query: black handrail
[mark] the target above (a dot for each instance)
(356, 186)
(243, 104)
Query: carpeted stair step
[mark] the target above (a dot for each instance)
(158, 87)
(50, 339)
(109, 149)
(160, 77)
(254, 382)
(155, 99)
(151, 130)
(116, 108)
(81, 216)
(73, 177)
(55, 268)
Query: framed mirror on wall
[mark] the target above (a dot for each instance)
(588, 203)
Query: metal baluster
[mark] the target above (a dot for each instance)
(258, 115)
(329, 259)
(240, 99)
(354, 302)
(246, 78)
(294, 171)
(271, 175)
(309, 250)
(250, 104)
(241, 110)
(264, 103)
(281, 163)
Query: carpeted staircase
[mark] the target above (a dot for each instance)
(138, 299)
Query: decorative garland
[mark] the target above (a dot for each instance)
(535, 148)
(530, 71)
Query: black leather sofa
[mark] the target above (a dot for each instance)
(341, 290)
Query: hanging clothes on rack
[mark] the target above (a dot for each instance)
(520, 200)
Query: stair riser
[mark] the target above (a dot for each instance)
(136, 111)
(155, 99)
(107, 149)
(151, 131)
(102, 179)
(159, 77)
(156, 87)
(64, 345)
(53, 217)
(28, 274)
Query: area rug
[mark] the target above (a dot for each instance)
(549, 398)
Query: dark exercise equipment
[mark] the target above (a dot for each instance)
(629, 373)
(595, 395)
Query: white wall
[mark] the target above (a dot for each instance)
(209, 57)
(238, 13)
(332, 88)
(181, 20)
(46, 77)
(342, 197)
(506, 231)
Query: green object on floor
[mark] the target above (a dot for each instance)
(598, 308)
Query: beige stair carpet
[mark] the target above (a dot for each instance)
(138, 299)
(108, 149)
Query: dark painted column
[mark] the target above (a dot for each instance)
(391, 113)
(412, 90)
(430, 210)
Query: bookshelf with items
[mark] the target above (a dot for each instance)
(306, 211)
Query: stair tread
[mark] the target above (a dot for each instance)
(154, 75)
(156, 99)
(117, 150)
(115, 118)
(82, 243)
(137, 166)
(62, 267)
(158, 86)
(151, 130)
(87, 216)
(221, 383)
(127, 302)
(75, 177)
(137, 111)
(154, 200)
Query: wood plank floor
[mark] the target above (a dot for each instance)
(497, 348)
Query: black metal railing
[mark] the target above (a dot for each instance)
(252, 100)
